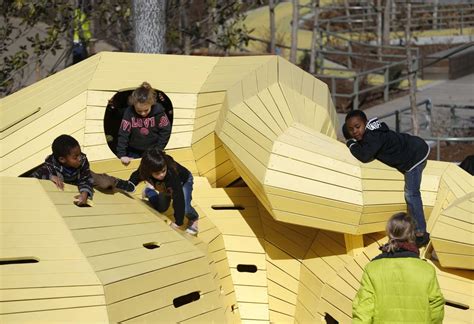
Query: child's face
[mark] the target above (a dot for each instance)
(142, 108)
(159, 175)
(356, 127)
(73, 159)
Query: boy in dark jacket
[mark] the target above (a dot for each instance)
(68, 164)
(369, 140)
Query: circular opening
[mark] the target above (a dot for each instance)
(116, 108)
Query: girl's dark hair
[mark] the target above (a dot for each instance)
(400, 228)
(154, 160)
(356, 113)
(63, 145)
(143, 94)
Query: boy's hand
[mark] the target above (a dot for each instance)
(81, 199)
(58, 182)
(125, 160)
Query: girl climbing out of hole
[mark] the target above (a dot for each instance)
(168, 180)
(144, 125)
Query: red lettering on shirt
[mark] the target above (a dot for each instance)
(125, 125)
(163, 121)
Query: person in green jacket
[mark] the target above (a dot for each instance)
(397, 286)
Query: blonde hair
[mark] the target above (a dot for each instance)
(400, 228)
(143, 94)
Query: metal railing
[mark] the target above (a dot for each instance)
(362, 18)
(428, 106)
(446, 139)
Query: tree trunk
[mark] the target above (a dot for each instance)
(149, 25)
(184, 24)
(386, 23)
(315, 39)
(411, 72)
(271, 7)
(294, 31)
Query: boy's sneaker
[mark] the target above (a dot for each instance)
(423, 240)
(126, 186)
(192, 227)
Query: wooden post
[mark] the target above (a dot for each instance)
(386, 89)
(379, 29)
(315, 39)
(271, 7)
(354, 244)
(356, 93)
(294, 31)
(411, 73)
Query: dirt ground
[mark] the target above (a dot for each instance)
(453, 152)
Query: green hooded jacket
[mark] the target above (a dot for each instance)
(398, 289)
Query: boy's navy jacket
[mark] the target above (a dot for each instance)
(81, 176)
(398, 150)
(138, 133)
(172, 185)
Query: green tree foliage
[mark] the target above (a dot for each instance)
(58, 13)
(215, 22)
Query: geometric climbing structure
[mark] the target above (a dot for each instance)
(307, 204)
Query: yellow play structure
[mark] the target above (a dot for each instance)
(289, 247)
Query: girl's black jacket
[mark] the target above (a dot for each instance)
(172, 185)
(398, 150)
(138, 133)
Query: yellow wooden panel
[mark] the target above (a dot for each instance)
(449, 260)
(251, 311)
(243, 244)
(249, 85)
(251, 294)
(321, 94)
(255, 104)
(280, 101)
(155, 300)
(269, 102)
(205, 145)
(292, 99)
(334, 157)
(212, 160)
(45, 280)
(336, 313)
(313, 187)
(258, 169)
(310, 169)
(115, 274)
(158, 278)
(43, 141)
(302, 315)
(127, 257)
(48, 94)
(41, 124)
(99, 98)
(277, 290)
(50, 292)
(53, 303)
(309, 111)
(96, 314)
(247, 116)
(210, 98)
(452, 230)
